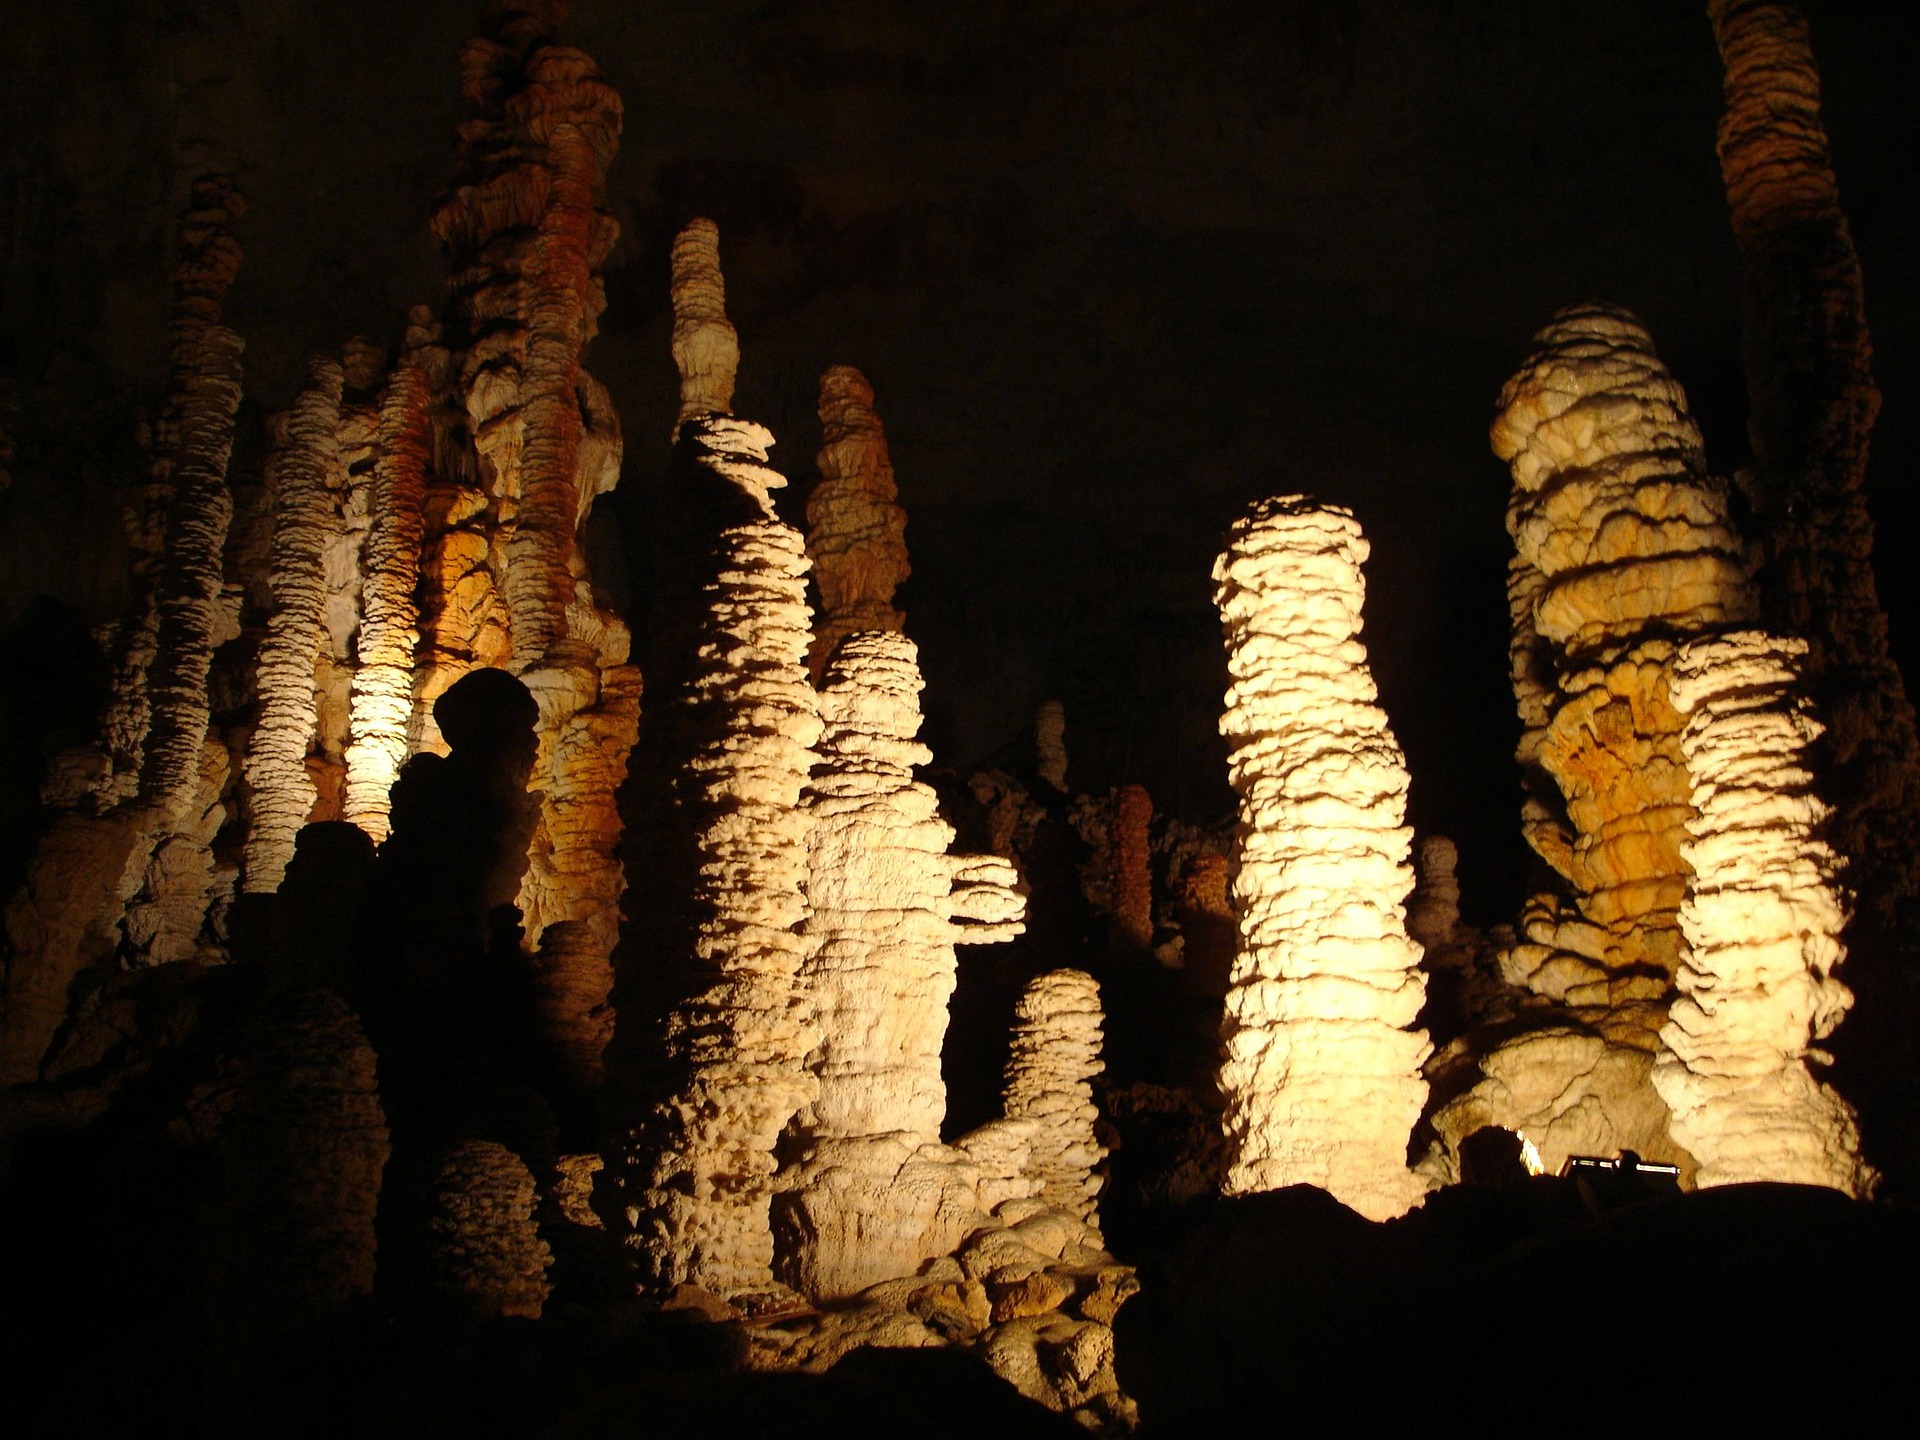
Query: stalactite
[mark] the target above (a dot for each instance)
(282, 794)
(855, 527)
(872, 1192)
(1322, 1068)
(704, 345)
(482, 1245)
(1762, 922)
(1625, 549)
(1055, 1055)
(1809, 377)
(737, 721)
(1129, 878)
(382, 694)
(291, 1233)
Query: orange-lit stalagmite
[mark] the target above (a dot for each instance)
(1814, 402)
(855, 526)
(301, 478)
(1762, 922)
(527, 229)
(1129, 878)
(1322, 1068)
(872, 1192)
(382, 695)
(724, 1065)
(1625, 548)
(705, 349)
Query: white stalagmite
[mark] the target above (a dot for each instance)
(705, 348)
(305, 515)
(1058, 1026)
(873, 1192)
(1762, 922)
(1322, 1068)
(382, 704)
(737, 1038)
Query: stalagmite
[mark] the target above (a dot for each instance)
(282, 794)
(382, 694)
(704, 345)
(1625, 549)
(729, 1062)
(1050, 743)
(1814, 401)
(1762, 922)
(855, 528)
(527, 231)
(1054, 1058)
(872, 1192)
(1129, 879)
(1322, 1068)
(1433, 914)
(481, 1242)
(292, 1229)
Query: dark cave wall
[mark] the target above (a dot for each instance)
(1113, 271)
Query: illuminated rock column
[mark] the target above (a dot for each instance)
(1322, 1068)
(1762, 922)
(732, 1051)
(1129, 876)
(855, 527)
(873, 1193)
(382, 694)
(705, 349)
(1055, 1055)
(302, 477)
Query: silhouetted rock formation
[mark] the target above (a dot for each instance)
(481, 1242)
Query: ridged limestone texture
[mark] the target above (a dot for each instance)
(301, 477)
(1433, 914)
(1809, 376)
(873, 1192)
(1322, 1067)
(527, 230)
(482, 1244)
(1624, 549)
(736, 1040)
(1055, 1055)
(705, 349)
(1762, 923)
(382, 695)
(1129, 873)
(856, 530)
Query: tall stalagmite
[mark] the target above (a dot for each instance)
(1322, 1068)
(705, 348)
(300, 477)
(1054, 1058)
(855, 527)
(1129, 876)
(482, 1245)
(731, 747)
(872, 1192)
(381, 714)
(1625, 549)
(527, 228)
(1762, 922)
(1807, 358)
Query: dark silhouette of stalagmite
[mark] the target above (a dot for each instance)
(482, 1244)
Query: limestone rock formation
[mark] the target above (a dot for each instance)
(1050, 743)
(1814, 401)
(1322, 1068)
(291, 1234)
(381, 714)
(738, 725)
(482, 1245)
(855, 528)
(1625, 549)
(1433, 914)
(872, 1191)
(281, 792)
(1054, 1058)
(1130, 878)
(1762, 922)
(705, 349)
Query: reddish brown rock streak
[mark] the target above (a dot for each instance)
(1807, 356)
